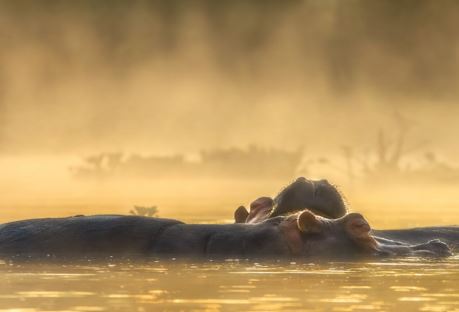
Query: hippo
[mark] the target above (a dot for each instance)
(325, 200)
(320, 197)
(301, 235)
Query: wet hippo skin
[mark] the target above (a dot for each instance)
(134, 236)
(81, 235)
(301, 235)
(447, 234)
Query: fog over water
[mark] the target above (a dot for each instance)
(367, 90)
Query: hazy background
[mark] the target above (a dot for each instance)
(364, 91)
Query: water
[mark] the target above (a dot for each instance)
(173, 285)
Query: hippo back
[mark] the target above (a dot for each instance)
(82, 235)
(448, 234)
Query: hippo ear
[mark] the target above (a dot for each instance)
(241, 214)
(309, 222)
(260, 210)
(357, 226)
(262, 203)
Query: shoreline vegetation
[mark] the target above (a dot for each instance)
(388, 161)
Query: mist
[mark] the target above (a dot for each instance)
(171, 78)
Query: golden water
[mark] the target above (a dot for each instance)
(401, 285)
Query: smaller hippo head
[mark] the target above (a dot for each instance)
(320, 197)
(310, 235)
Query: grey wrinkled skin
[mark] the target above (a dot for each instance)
(132, 237)
(435, 236)
(80, 235)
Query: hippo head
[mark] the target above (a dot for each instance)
(320, 197)
(310, 235)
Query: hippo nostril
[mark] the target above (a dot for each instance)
(324, 181)
(301, 179)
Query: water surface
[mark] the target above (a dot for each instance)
(402, 285)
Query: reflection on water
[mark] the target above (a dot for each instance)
(407, 284)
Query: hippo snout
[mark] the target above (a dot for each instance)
(439, 248)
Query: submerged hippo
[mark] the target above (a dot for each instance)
(324, 199)
(301, 235)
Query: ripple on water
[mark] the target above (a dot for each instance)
(408, 288)
(237, 285)
(54, 294)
